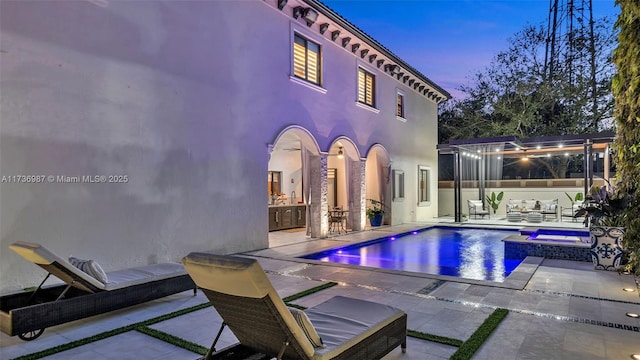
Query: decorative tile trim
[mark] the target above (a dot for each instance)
(518, 250)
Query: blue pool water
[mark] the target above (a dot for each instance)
(468, 253)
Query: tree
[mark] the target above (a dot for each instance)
(515, 96)
(626, 91)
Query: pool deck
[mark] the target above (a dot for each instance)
(559, 309)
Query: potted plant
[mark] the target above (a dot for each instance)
(375, 212)
(494, 201)
(604, 213)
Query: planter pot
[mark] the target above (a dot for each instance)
(606, 247)
(376, 220)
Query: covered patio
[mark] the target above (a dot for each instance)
(478, 167)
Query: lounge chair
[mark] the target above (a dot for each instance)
(476, 207)
(242, 294)
(27, 314)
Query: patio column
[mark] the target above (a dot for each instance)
(482, 176)
(457, 186)
(588, 165)
(319, 206)
(607, 154)
(358, 205)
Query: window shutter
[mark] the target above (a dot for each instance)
(369, 89)
(361, 86)
(313, 71)
(299, 60)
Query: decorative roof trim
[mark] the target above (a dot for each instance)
(368, 40)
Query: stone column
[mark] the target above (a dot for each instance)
(319, 207)
(358, 205)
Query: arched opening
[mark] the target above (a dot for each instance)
(378, 179)
(292, 192)
(345, 182)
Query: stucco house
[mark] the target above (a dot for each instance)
(135, 132)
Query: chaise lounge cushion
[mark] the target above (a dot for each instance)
(143, 274)
(343, 322)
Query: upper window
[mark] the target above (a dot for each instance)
(306, 59)
(366, 87)
(400, 106)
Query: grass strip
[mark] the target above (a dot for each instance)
(173, 340)
(174, 314)
(296, 306)
(434, 338)
(145, 323)
(475, 341)
(309, 291)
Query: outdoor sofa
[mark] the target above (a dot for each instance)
(545, 207)
(27, 314)
(339, 328)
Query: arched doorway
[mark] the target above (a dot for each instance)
(294, 158)
(345, 181)
(378, 179)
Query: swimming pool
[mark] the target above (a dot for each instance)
(467, 253)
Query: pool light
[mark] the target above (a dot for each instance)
(632, 315)
(415, 233)
(628, 289)
(392, 238)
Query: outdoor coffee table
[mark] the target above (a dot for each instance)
(534, 217)
(514, 216)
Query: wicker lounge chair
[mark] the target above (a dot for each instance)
(242, 294)
(27, 314)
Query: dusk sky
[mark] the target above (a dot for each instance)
(449, 40)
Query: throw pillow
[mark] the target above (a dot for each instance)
(91, 268)
(307, 327)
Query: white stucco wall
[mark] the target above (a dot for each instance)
(182, 98)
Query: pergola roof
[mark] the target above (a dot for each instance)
(512, 146)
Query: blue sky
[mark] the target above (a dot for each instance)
(449, 40)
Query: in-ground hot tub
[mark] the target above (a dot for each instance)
(550, 243)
